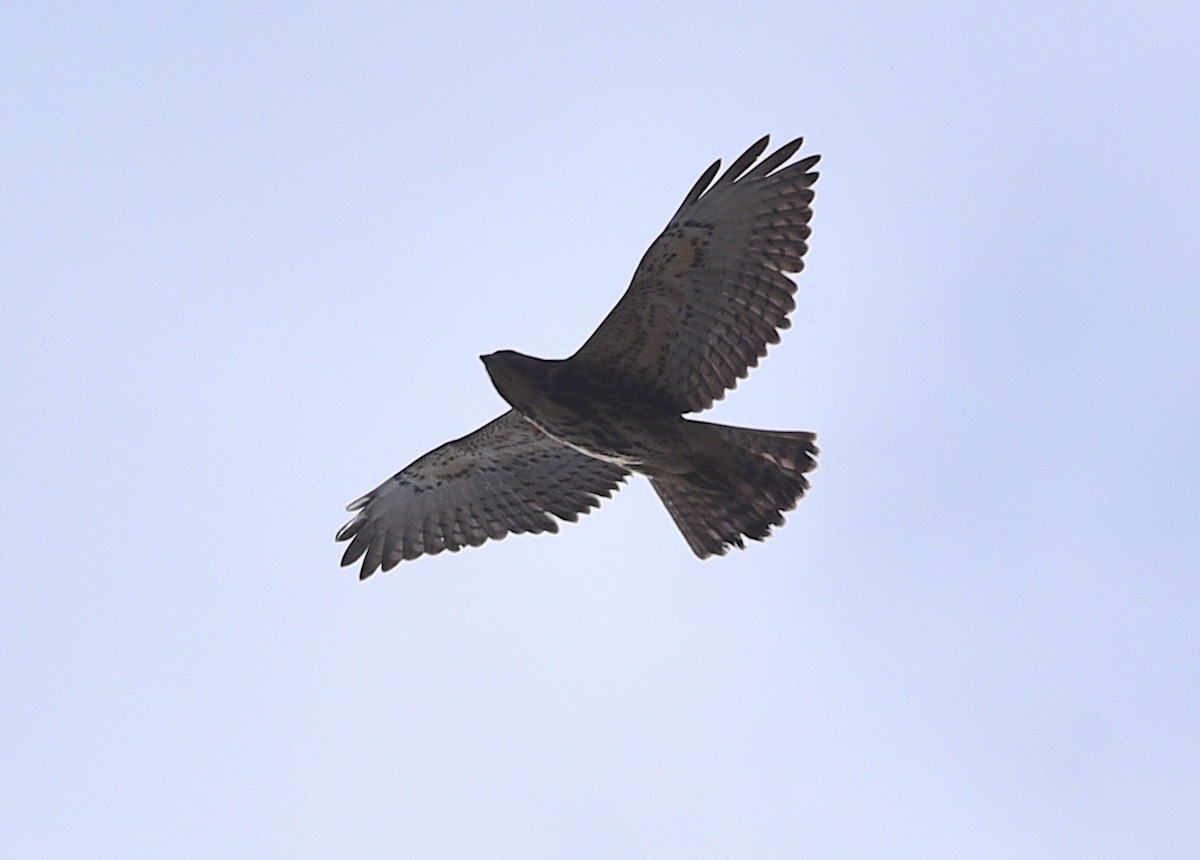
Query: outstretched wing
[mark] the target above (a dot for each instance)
(505, 477)
(712, 292)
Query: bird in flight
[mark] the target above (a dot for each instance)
(708, 298)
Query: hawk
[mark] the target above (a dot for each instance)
(708, 298)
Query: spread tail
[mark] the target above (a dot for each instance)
(742, 483)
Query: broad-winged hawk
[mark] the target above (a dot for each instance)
(709, 296)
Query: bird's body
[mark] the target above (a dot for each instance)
(596, 413)
(709, 296)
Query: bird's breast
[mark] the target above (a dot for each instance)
(618, 429)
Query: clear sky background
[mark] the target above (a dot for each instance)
(249, 256)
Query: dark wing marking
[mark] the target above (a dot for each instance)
(506, 477)
(712, 292)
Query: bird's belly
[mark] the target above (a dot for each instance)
(613, 436)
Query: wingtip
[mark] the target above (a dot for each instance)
(743, 162)
(347, 531)
(702, 184)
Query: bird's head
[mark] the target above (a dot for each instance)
(520, 379)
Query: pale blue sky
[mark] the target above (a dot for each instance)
(249, 256)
